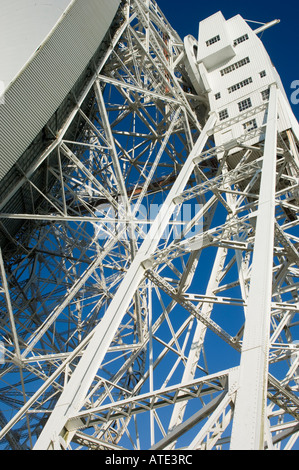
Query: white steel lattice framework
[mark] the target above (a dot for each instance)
(149, 294)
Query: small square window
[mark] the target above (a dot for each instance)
(223, 114)
(245, 104)
(263, 73)
(217, 96)
(250, 125)
(265, 94)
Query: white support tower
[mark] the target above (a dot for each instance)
(148, 238)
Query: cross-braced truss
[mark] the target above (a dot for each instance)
(125, 292)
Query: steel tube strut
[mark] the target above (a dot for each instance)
(250, 410)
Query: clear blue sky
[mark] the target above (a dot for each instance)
(281, 41)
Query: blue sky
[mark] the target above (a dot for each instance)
(281, 41)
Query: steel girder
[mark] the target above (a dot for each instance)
(134, 314)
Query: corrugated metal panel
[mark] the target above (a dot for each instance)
(26, 23)
(38, 91)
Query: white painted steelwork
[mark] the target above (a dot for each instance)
(149, 261)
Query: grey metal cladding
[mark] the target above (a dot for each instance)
(39, 89)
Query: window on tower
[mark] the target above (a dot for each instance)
(223, 114)
(239, 85)
(211, 41)
(250, 125)
(265, 94)
(245, 104)
(241, 39)
(235, 66)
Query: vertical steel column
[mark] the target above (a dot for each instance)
(250, 409)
